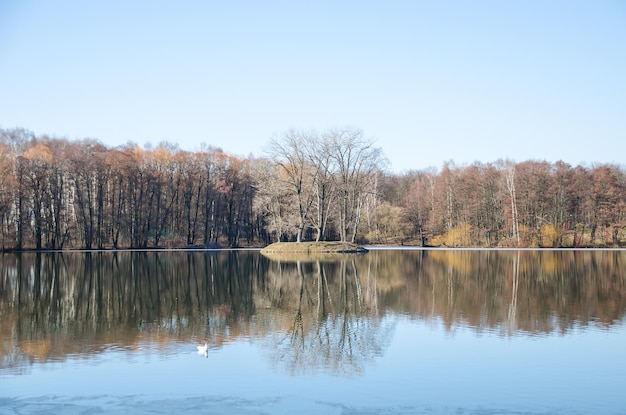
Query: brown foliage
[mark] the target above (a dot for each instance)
(555, 205)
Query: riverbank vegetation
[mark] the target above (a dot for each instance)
(79, 194)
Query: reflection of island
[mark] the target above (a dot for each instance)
(323, 315)
(336, 323)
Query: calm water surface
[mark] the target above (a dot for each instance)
(391, 331)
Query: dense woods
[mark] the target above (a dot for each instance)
(62, 194)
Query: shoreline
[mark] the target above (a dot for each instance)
(313, 248)
(306, 247)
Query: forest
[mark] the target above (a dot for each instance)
(57, 193)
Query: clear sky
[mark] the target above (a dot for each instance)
(429, 81)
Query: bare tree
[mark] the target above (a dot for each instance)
(290, 153)
(323, 184)
(510, 185)
(356, 162)
(419, 204)
(271, 199)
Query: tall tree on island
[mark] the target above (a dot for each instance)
(290, 153)
(356, 162)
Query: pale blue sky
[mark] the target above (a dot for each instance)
(430, 81)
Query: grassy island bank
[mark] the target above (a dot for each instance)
(313, 248)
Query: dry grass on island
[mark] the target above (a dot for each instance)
(313, 248)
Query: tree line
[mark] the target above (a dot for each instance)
(57, 193)
(506, 204)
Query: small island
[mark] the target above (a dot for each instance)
(313, 248)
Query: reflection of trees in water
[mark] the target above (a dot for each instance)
(321, 312)
(122, 298)
(512, 316)
(342, 344)
(335, 325)
(508, 291)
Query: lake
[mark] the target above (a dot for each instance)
(392, 331)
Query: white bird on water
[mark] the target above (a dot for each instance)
(204, 350)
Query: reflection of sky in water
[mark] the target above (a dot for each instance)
(423, 369)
